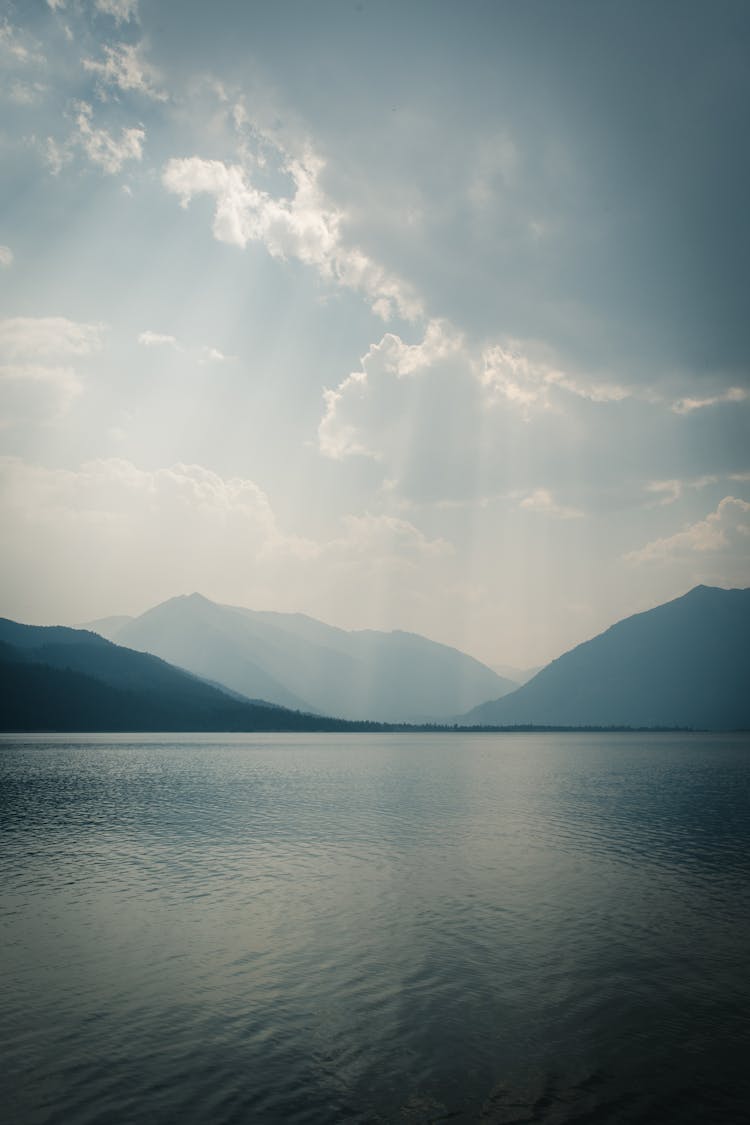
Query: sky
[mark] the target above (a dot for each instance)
(424, 315)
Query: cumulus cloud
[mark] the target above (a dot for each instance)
(6, 257)
(124, 68)
(403, 392)
(352, 407)
(542, 501)
(101, 147)
(305, 226)
(714, 533)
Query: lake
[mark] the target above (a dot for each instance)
(375, 928)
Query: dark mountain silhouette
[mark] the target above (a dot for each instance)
(685, 664)
(296, 661)
(55, 678)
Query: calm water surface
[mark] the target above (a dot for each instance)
(378, 928)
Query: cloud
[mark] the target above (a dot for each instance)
(670, 491)
(688, 405)
(6, 257)
(18, 47)
(35, 393)
(26, 93)
(714, 533)
(157, 340)
(305, 226)
(111, 531)
(204, 354)
(342, 429)
(125, 69)
(36, 382)
(667, 491)
(122, 11)
(509, 371)
(541, 501)
(45, 336)
(394, 543)
(101, 147)
(55, 155)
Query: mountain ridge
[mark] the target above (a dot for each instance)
(58, 678)
(297, 661)
(684, 663)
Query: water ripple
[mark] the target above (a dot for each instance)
(382, 929)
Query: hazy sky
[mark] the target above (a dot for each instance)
(424, 315)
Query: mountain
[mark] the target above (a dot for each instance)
(517, 676)
(296, 661)
(55, 678)
(685, 663)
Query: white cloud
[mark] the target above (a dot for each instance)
(714, 533)
(101, 147)
(6, 257)
(37, 383)
(56, 156)
(26, 93)
(507, 370)
(542, 501)
(82, 537)
(349, 408)
(440, 341)
(211, 355)
(305, 226)
(670, 491)
(688, 405)
(203, 354)
(392, 542)
(125, 69)
(35, 393)
(667, 491)
(46, 336)
(18, 47)
(157, 340)
(122, 11)
(375, 412)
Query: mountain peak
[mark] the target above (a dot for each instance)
(685, 663)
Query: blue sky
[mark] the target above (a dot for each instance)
(427, 316)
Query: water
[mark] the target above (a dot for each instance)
(385, 928)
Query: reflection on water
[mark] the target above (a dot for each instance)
(495, 928)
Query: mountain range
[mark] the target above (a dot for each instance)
(55, 678)
(298, 662)
(685, 663)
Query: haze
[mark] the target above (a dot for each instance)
(429, 317)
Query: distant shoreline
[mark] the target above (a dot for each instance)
(351, 727)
